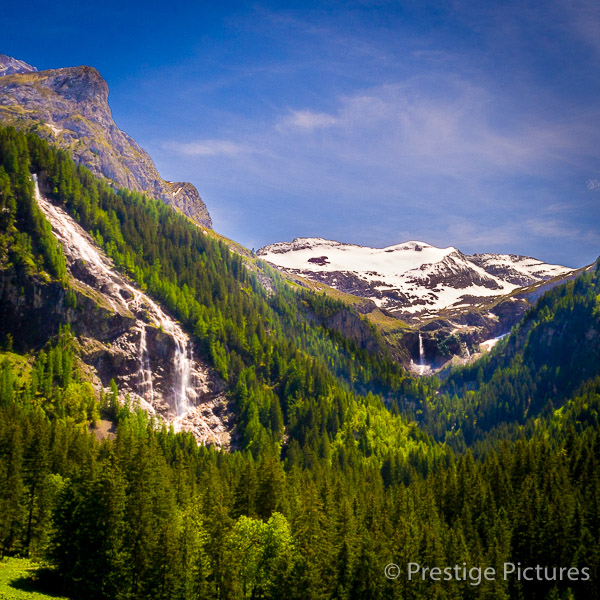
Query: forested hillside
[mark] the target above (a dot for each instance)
(281, 366)
(334, 477)
(546, 358)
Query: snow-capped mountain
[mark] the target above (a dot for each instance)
(412, 279)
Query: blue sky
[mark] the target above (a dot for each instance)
(467, 123)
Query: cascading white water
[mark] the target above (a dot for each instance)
(74, 241)
(121, 295)
(467, 352)
(146, 386)
(182, 389)
(421, 355)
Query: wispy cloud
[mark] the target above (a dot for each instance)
(554, 229)
(475, 236)
(583, 18)
(427, 146)
(209, 148)
(444, 125)
(307, 120)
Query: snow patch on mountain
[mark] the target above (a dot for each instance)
(302, 254)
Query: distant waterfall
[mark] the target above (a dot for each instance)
(183, 370)
(467, 352)
(421, 355)
(183, 361)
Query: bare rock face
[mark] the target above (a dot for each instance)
(9, 65)
(69, 107)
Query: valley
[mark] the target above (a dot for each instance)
(182, 418)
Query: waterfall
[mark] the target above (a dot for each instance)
(146, 387)
(182, 389)
(467, 352)
(183, 369)
(421, 355)
(126, 299)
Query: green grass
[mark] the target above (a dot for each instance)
(19, 581)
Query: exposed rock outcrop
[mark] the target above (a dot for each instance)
(69, 107)
(9, 66)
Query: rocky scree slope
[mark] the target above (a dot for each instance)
(69, 107)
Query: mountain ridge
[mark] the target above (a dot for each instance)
(411, 279)
(10, 65)
(69, 107)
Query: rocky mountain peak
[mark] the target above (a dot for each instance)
(10, 65)
(69, 107)
(80, 84)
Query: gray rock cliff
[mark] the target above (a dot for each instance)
(9, 65)
(69, 107)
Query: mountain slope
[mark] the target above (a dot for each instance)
(283, 357)
(69, 107)
(152, 358)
